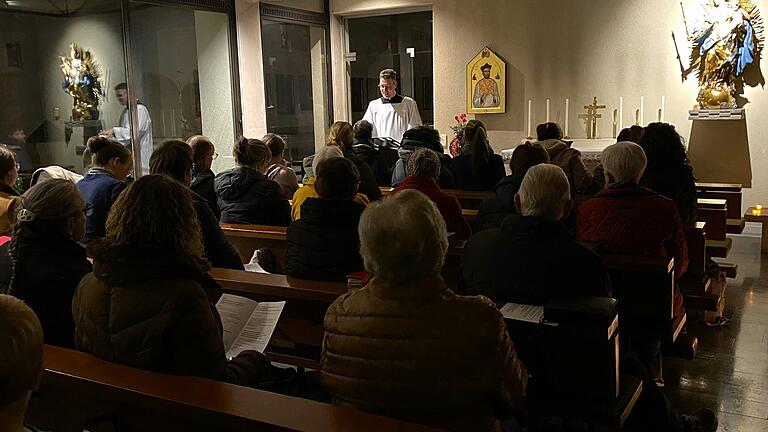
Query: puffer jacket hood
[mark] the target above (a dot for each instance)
(236, 182)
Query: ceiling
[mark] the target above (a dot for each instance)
(61, 7)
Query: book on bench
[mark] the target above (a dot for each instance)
(523, 312)
(248, 324)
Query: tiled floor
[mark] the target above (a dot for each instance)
(730, 372)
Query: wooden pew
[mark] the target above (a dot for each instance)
(467, 199)
(80, 390)
(588, 386)
(714, 213)
(695, 285)
(298, 338)
(732, 194)
(644, 287)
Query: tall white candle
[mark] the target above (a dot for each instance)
(642, 110)
(567, 109)
(663, 107)
(621, 113)
(530, 104)
(547, 110)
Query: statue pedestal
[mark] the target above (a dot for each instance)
(719, 150)
(717, 114)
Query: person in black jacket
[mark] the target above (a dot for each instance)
(493, 210)
(203, 155)
(422, 136)
(174, 159)
(381, 160)
(246, 196)
(324, 244)
(47, 262)
(515, 263)
(477, 168)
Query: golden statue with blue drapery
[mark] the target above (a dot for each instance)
(81, 81)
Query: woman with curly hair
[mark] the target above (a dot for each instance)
(150, 302)
(669, 172)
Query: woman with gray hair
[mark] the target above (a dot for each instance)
(381, 341)
(423, 172)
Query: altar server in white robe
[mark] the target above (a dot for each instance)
(392, 114)
(122, 133)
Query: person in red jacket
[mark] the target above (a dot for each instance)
(423, 171)
(625, 218)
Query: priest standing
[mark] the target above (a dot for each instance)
(392, 114)
(122, 133)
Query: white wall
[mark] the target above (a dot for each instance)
(251, 69)
(567, 48)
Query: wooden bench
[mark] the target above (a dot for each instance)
(81, 391)
(732, 194)
(298, 338)
(714, 213)
(695, 284)
(467, 199)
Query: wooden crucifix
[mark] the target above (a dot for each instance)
(591, 117)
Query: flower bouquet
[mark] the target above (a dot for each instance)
(458, 132)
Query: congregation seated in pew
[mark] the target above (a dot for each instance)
(514, 263)
(309, 191)
(405, 345)
(423, 171)
(43, 263)
(493, 210)
(550, 136)
(422, 137)
(150, 303)
(174, 159)
(21, 361)
(278, 171)
(324, 243)
(477, 167)
(245, 195)
(203, 155)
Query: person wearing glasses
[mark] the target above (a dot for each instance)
(477, 167)
(46, 258)
(9, 173)
(111, 163)
(203, 155)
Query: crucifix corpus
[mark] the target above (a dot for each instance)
(591, 117)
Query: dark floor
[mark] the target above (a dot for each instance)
(730, 372)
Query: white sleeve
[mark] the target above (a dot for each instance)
(123, 132)
(143, 117)
(368, 116)
(414, 118)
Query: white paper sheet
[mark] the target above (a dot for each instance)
(523, 312)
(248, 324)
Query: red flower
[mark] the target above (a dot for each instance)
(456, 118)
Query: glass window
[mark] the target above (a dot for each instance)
(402, 42)
(181, 70)
(296, 80)
(36, 118)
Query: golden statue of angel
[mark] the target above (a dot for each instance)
(81, 81)
(724, 43)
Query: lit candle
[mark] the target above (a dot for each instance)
(547, 110)
(621, 113)
(642, 110)
(567, 106)
(759, 207)
(663, 107)
(530, 104)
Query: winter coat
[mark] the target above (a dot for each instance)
(677, 184)
(569, 159)
(202, 184)
(100, 190)
(308, 191)
(217, 248)
(448, 205)
(285, 177)
(421, 353)
(148, 308)
(47, 274)
(324, 244)
(494, 209)
(381, 161)
(631, 220)
(515, 263)
(412, 140)
(247, 197)
(486, 178)
(8, 197)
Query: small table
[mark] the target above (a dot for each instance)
(761, 216)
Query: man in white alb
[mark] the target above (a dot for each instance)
(392, 114)
(122, 133)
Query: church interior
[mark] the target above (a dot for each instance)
(383, 215)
